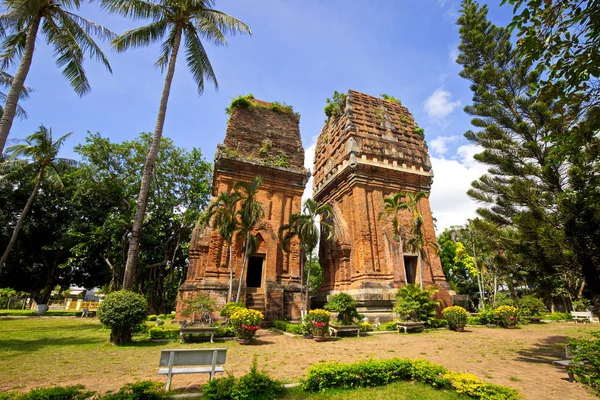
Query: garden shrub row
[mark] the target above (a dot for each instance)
(288, 327)
(143, 390)
(30, 313)
(164, 317)
(335, 375)
(159, 332)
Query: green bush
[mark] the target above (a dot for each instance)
(436, 323)
(345, 306)
(335, 105)
(142, 390)
(255, 385)
(586, 357)
(76, 392)
(558, 316)
(122, 311)
(366, 327)
(334, 375)
(158, 332)
(17, 313)
(487, 316)
(389, 326)
(474, 321)
(456, 317)
(162, 316)
(285, 326)
(151, 317)
(415, 304)
(231, 307)
(506, 315)
(531, 306)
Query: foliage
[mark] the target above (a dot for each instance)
(246, 322)
(415, 304)
(417, 130)
(586, 360)
(285, 326)
(281, 160)
(389, 326)
(318, 320)
(158, 332)
(202, 305)
(242, 101)
(581, 304)
(141, 390)
(558, 316)
(230, 308)
(248, 101)
(334, 375)
(122, 311)
(390, 99)
(335, 105)
(531, 305)
(456, 317)
(436, 323)
(75, 392)
(457, 263)
(345, 306)
(365, 327)
(506, 315)
(254, 385)
(474, 321)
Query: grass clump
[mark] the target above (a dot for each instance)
(248, 101)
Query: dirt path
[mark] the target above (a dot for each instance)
(519, 358)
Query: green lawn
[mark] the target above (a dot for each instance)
(394, 391)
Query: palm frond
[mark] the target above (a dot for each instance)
(52, 177)
(197, 60)
(165, 49)
(13, 46)
(224, 23)
(140, 37)
(6, 81)
(134, 9)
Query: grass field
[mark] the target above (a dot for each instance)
(43, 351)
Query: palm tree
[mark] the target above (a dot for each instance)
(187, 20)
(417, 241)
(69, 35)
(306, 227)
(392, 207)
(250, 215)
(6, 80)
(41, 158)
(224, 219)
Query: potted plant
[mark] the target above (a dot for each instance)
(318, 320)
(456, 317)
(245, 323)
(507, 316)
(415, 307)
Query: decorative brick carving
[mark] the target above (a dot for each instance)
(362, 156)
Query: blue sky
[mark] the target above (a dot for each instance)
(300, 52)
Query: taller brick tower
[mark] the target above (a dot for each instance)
(261, 140)
(373, 149)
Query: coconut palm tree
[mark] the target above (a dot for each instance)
(250, 214)
(69, 34)
(6, 80)
(392, 207)
(305, 226)
(179, 20)
(40, 154)
(223, 214)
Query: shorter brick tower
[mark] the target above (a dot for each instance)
(260, 141)
(373, 149)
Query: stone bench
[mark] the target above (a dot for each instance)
(407, 326)
(335, 329)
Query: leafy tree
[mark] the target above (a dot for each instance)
(345, 306)
(392, 207)
(305, 227)
(180, 20)
(122, 311)
(250, 214)
(223, 213)
(68, 33)
(41, 159)
(5, 82)
(457, 264)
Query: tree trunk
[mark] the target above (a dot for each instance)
(307, 299)
(420, 270)
(30, 200)
(230, 292)
(10, 107)
(401, 247)
(479, 281)
(301, 279)
(237, 295)
(142, 202)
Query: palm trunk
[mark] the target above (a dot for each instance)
(402, 261)
(420, 270)
(307, 299)
(230, 274)
(237, 295)
(301, 279)
(142, 202)
(10, 108)
(21, 219)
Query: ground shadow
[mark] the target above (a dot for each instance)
(545, 351)
(27, 346)
(260, 342)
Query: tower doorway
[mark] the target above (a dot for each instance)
(410, 262)
(255, 272)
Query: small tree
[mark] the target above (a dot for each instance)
(416, 304)
(201, 304)
(122, 311)
(345, 306)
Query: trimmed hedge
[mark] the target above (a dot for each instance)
(334, 375)
(285, 326)
(30, 313)
(158, 332)
(142, 390)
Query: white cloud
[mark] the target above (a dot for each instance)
(438, 106)
(440, 144)
(450, 203)
(309, 157)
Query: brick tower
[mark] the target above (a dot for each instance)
(373, 149)
(264, 141)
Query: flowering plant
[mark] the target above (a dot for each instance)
(456, 317)
(506, 315)
(318, 321)
(246, 322)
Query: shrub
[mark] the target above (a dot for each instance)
(335, 105)
(19, 313)
(586, 360)
(122, 311)
(415, 304)
(531, 306)
(230, 308)
(558, 316)
(254, 385)
(246, 322)
(151, 317)
(244, 101)
(158, 332)
(474, 321)
(296, 329)
(456, 317)
(334, 375)
(487, 316)
(318, 319)
(142, 390)
(581, 305)
(345, 306)
(76, 392)
(162, 316)
(389, 326)
(366, 327)
(201, 304)
(506, 315)
(437, 323)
